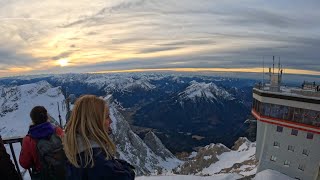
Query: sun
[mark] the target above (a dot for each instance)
(63, 62)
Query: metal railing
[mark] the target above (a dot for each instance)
(10, 142)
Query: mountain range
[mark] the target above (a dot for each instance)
(185, 111)
(146, 152)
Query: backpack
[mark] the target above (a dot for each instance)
(52, 158)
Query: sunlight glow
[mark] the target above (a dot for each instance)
(63, 62)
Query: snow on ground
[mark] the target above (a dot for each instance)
(226, 160)
(271, 175)
(264, 175)
(186, 177)
(192, 155)
(17, 149)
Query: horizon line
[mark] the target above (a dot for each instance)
(199, 70)
(235, 70)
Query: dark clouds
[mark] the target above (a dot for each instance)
(9, 57)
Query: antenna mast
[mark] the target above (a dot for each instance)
(263, 71)
(273, 65)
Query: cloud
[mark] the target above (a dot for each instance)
(158, 49)
(10, 58)
(128, 34)
(62, 55)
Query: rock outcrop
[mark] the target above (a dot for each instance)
(152, 159)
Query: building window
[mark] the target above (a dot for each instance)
(309, 136)
(294, 132)
(279, 129)
(273, 158)
(301, 167)
(298, 115)
(288, 114)
(286, 163)
(266, 109)
(306, 152)
(276, 144)
(291, 148)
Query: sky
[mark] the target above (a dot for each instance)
(75, 36)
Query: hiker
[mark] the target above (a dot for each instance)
(42, 149)
(88, 147)
(7, 169)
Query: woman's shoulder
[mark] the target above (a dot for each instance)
(107, 168)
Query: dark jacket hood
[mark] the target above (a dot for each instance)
(41, 131)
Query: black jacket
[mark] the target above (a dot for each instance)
(7, 169)
(103, 169)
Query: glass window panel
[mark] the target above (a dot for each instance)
(297, 115)
(309, 116)
(281, 112)
(258, 106)
(274, 110)
(288, 115)
(316, 122)
(261, 107)
(267, 109)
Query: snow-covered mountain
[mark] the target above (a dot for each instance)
(218, 159)
(207, 91)
(263, 175)
(149, 156)
(107, 82)
(16, 103)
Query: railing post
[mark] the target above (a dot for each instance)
(10, 142)
(15, 160)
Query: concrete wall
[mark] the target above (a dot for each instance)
(267, 135)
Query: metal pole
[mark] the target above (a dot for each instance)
(15, 160)
(263, 72)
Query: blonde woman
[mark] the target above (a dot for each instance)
(87, 145)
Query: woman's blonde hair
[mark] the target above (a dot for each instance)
(87, 122)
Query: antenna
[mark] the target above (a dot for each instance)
(60, 120)
(273, 65)
(263, 71)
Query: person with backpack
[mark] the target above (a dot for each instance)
(42, 149)
(90, 151)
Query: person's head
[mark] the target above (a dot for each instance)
(39, 115)
(88, 121)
